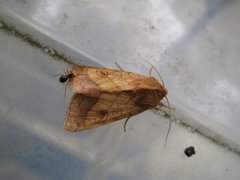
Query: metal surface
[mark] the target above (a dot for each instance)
(195, 47)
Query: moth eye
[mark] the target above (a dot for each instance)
(63, 78)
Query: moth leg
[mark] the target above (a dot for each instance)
(67, 70)
(169, 125)
(118, 66)
(65, 90)
(168, 131)
(166, 106)
(125, 123)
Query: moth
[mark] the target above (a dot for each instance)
(102, 96)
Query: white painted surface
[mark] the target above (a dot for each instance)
(195, 46)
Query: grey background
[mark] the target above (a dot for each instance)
(195, 47)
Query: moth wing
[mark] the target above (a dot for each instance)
(97, 80)
(85, 112)
(116, 80)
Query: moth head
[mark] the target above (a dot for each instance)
(63, 78)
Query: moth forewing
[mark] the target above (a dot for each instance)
(86, 79)
(85, 112)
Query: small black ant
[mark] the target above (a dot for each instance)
(63, 78)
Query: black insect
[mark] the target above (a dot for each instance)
(65, 77)
(189, 151)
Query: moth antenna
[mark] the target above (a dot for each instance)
(118, 66)
(153, 67)
(125, 124)
(150, 72)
